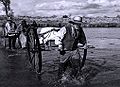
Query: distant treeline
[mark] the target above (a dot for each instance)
(106, 25)
(59, 22)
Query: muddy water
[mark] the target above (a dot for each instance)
(103, 37)
(15, 70)
(102, 66)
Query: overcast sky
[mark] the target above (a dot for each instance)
(62, 7)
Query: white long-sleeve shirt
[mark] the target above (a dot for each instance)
(9, 29)
(60, 36)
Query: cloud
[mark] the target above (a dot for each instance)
(100, 2)
(92, 6)
(118, 10)
(57, 7)
(23, 7)
(1, 9)
(105, 2)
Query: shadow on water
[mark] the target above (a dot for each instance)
(15, 71)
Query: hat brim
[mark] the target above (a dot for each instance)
(75, 22)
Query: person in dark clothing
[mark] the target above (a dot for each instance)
(34, 25)
(22, 27)
(67, 40)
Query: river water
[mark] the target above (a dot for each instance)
(103, 37)
(14, 68)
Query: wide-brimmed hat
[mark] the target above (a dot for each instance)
(76, 20)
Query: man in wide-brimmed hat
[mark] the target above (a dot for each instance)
(76, 20)
(67, 40)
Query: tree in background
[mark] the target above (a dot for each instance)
(6, 4)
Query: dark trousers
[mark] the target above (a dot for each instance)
(12, 41)
(62, 68)
(71, 61)
(73, 65)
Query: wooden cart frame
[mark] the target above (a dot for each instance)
(35, 52)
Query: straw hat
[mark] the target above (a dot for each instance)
(76, 20)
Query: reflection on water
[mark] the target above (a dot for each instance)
(103, 37)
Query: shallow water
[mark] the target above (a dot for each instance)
(103, 37)
(15, 70)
